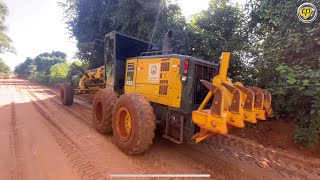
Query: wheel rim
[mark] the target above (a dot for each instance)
(99, 114)
(124, 124)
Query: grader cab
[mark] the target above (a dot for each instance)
(188, 97)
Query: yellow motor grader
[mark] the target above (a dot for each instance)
(91, 82)
(192, 99)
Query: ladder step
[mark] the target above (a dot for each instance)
(177, 141)
(167, 134)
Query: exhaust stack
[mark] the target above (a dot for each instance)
(166, 45)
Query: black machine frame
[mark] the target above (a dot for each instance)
(118, 47)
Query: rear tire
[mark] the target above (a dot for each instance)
(66, 94)
(142, 124)
(103, 104)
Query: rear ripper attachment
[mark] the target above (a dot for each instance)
(232, 105)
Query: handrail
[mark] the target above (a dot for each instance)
(154, 52)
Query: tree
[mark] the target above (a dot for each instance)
(59, 72)
(46, 68)
(286, 53)
(24, 69)
(222, 27)
(280, 37)
(45, 60)
(4, 69)
(89, 21)
(5, 41)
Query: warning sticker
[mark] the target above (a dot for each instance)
(154, 72)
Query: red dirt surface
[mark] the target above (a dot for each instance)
(42, 139)
(276, 134)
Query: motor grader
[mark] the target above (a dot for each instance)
(192, 99)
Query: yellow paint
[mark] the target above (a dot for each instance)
(261, 114)
(250, 116)
(97, 75)
(235, 119)
(150, 87)
(124, 124)
(210, 123)
(306, 12)
(224, 66)
(131, 87)
(227, 110)
(163, 86)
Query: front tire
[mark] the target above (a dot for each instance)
(103, 104)
(133, 123)
(66, 94)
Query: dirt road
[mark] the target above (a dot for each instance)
(41, 139)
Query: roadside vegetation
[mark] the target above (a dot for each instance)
(5, 41)
(4, 69)
(270, 46)
(48, 69)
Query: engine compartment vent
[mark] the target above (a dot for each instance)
(163, 89)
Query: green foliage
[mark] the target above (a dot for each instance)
(286, 60)
(221, 27)
(280, 37)
(298, 97)
(26, 68)
(89, 21)
(74, 75)
(45, 60)
(75, 80)
(5, 41)
(59, 73)
(46, 68)
(308, 134)
(4, 69)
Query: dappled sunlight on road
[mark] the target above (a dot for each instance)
(8, 94)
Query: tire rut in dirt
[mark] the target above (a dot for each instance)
(54, 92)
(83, 165)
(78, 114)
(15, 145)
(262, 157)
(76, 98)
(286, 166)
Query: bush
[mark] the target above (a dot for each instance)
(297, 96)
(4, 69)
(75, 81)
(307, 137)
(59, 73)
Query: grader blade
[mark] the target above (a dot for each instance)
(247, 102)
(232, 104)
(258, 103)
(235, 110)
(213, 120)
(267, 102)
